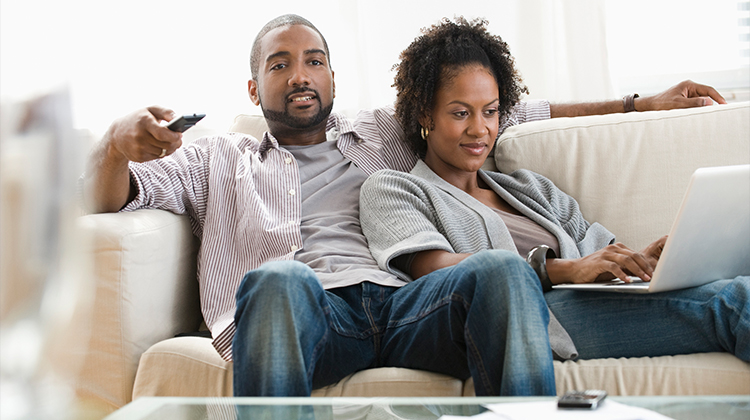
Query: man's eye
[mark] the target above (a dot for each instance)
(316, 63)
(278, 66)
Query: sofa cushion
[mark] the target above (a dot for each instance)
(144, 292)
(631, 170)
(190, 366)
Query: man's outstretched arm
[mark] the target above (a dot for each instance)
(137, 137)
(687, 94)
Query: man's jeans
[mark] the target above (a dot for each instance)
(713, 317)
(484, 317)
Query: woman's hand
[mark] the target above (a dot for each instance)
(613, 261)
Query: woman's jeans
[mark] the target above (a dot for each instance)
(484, 317)
(713, 317)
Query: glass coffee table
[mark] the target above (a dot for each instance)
(188, 408)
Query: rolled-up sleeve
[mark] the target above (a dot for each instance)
(397, 221)
(526, 111)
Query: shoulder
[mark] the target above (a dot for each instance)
(389, 177)
(378, 122)
(521, 178)
(388, 184)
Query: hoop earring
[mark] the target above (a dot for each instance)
(424, 132)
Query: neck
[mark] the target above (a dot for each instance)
(467, 181)
(298, 137)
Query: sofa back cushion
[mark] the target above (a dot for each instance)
(254, 125)
(629, 172)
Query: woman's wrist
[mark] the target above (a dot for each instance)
(537, 259)
(558, 269)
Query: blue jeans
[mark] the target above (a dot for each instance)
(713, 317)
(484, 317)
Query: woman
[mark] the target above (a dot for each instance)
(455, 84)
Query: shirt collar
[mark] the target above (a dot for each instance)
(336, 127)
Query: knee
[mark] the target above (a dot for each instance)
(277, 279)
(735, 293)
(501, 270)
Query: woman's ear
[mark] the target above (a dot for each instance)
(425, 121)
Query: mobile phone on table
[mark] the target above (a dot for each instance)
(184, 122)
(588, 399)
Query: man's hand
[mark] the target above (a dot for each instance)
(687, 94)
(140, 136)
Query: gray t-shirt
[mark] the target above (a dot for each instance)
(333, 244)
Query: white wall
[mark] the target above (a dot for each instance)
(192, 55)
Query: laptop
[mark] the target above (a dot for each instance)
(709, 240)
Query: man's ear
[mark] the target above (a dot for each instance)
(333, 83)
(252, 90)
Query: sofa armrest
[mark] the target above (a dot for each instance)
(629, 172)
(146, 291)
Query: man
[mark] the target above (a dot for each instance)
(313, 306)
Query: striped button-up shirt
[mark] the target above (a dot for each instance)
(241, 197)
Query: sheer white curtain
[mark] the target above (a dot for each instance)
(562, 49)
(559, 45)
(192, 55)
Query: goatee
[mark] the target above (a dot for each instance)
(285, 118)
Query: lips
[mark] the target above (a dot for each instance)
(476, 149)
(301, 97)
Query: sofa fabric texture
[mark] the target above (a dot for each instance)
(627, 171)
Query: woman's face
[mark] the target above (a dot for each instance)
(465, 122)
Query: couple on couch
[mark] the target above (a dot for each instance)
(296, 295)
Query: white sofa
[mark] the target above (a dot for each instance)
(628, 172)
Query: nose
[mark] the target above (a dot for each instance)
(477, 126)
(299, 76)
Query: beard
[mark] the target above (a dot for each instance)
(298, 123)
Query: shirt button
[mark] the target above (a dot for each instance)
(288, 161)
(294, 248)
(292, 192)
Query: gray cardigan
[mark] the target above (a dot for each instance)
(405, 213)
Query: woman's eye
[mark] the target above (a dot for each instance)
(461, 113)
(491, 112)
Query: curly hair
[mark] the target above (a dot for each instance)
(435, 58)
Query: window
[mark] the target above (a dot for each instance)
(655, 43)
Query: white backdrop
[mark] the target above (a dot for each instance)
(192, 55)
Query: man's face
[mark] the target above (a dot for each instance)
(295, 85)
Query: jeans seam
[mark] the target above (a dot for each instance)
(437, 305)
(373, 330)
(474, 350)
(479, 363)
(314, 356)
